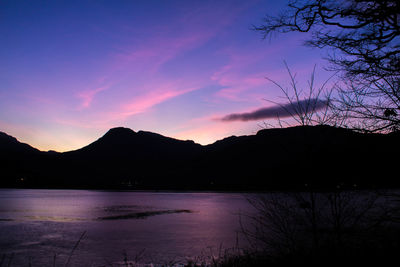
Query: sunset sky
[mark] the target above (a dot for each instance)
(70, 70)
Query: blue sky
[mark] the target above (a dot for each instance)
(70, 70)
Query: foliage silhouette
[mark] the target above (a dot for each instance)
(324, 228)
(364, 38)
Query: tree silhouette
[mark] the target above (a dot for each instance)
(305, 106)
(364, 42)
(323, 228)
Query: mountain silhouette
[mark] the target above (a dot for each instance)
(17, 161)
(294, 157)
(124, 142)
(10, 145)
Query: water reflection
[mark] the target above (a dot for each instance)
(44, 223)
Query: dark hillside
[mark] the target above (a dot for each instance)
(18, 161)
(294, 157)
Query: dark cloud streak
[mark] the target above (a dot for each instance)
(278, 111)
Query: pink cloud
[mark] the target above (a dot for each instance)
(153, 97)
(117, 115)
(236, 83)
(239, 75)
(87, 96)
(246, 70)
(137, 64)
(150, 55)
(189, 30)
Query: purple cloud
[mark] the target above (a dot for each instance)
(278, 111)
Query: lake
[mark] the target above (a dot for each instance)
(43, 226)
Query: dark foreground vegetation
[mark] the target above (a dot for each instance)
(337, 228)
(324, 229)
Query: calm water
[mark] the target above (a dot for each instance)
(38, 225)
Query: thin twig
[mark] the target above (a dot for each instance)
(74, 248)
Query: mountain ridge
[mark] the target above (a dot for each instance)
(123, 158)
(10, 143)
(127, 131)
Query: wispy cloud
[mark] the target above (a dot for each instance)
(240, 75)
(278, 111)
(155, 52)
(187, 31)
(236, 84)
(154, 97)
(87, 96)
(151, 96)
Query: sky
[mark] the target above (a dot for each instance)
(71, 70)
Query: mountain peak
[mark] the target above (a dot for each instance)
(120, 131)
